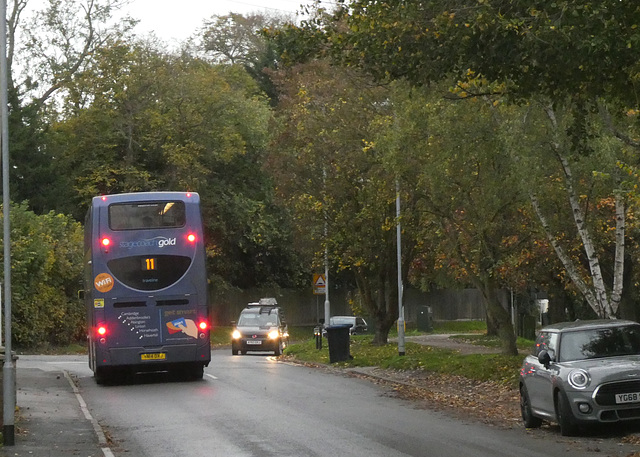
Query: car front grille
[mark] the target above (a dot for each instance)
(605, 395)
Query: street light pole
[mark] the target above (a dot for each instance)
(401, 350)
(8, 369)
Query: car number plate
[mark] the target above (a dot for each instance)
(633, 397)
(154, 356)
(254, 342)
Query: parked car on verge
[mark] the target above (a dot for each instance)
(581, 373)
(358, 324)
(260, 327)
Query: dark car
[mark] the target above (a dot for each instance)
(261, 327)
(581, 373)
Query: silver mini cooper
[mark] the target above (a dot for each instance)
(580, 373)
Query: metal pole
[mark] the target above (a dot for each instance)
(327, 304)
(9, 369)
(400, 286)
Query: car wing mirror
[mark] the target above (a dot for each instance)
(544, 358)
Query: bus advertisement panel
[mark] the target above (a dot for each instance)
(146, 285)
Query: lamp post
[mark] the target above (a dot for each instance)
(8, 369)
(401, 350)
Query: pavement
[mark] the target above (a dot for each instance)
(52, 419)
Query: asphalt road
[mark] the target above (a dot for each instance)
(254, 405)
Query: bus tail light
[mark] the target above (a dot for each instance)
(191, 237)
(102, 332)
(105, 242)
(203, 326)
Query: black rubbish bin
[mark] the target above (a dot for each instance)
(338, 339)
(425, 319)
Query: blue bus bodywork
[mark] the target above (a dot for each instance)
(146, 285)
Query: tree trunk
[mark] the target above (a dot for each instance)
(379, 298)
(499, 316)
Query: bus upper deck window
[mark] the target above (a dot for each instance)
(147, 215)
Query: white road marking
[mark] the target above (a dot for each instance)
(102, 439)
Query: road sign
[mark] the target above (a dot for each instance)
(319, 284)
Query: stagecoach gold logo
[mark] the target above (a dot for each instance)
(103, 282)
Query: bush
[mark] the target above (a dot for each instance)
(46, 273)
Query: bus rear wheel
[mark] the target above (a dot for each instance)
(196, 371)
(102, 376)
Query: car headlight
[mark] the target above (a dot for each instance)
(236, 335)
(579, 379)
(274, 334)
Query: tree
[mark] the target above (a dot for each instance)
(329, 170)
(52, 45)
(570, 56)
(46, 270)
(240, 40)
(594, 193)
(459, 167)
(140, 120)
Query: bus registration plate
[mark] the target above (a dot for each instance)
(154, 356)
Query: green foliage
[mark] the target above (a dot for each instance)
(46, 273)
(334, 178)
(540, 47)
(140, 120)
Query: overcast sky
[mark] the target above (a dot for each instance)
(176, 20)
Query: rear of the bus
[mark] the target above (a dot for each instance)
(150, 299)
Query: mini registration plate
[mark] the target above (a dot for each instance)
(154, 356)
(254, 342)
(633, 397)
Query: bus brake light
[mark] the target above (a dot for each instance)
(105, 242)
(203, 325)
(102, 330)
(191, 237)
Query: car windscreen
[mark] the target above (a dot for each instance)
(341, 320)
(596, 343)
(257, 320)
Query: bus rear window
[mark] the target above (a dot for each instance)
(146, 215)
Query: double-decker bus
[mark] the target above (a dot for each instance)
(145, 285)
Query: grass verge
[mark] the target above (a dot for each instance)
(480, 367)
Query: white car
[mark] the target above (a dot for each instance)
(358, 324)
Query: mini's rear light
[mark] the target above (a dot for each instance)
(191, 237)
(105, 242)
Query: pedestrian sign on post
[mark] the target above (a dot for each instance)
(319, 284)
